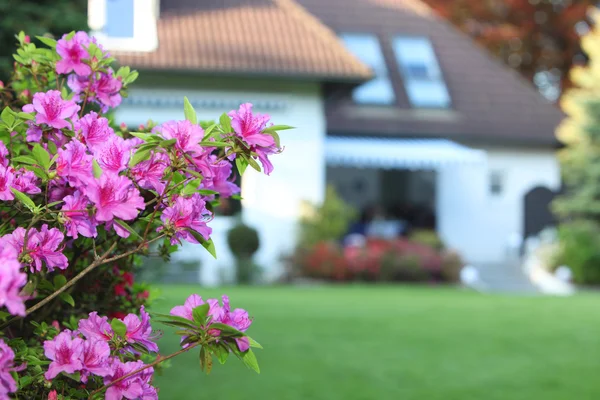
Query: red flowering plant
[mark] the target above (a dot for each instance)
(81, 201)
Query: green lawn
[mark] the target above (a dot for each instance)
(365, 343)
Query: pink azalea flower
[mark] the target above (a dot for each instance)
(7, 382)
(73, 52)
(7, 177)
(221, 179)
(34, 132)
(185, 311)
(140, 331)
(96, 328)
(114, 196)
(42, 246)
(77, 218)
(187, 213)
(249, 127)
(188, 135)
(3, 154)
(95, 130)
(74, 163)
(12, 281)
(130, 388)
(95, 358)
(66, 354)
(113, 155)
(52, 110)
(25, 181)
(107, 89)
(149, 174)
(59, 189)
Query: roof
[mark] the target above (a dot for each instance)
(490, 101)
(263, 37)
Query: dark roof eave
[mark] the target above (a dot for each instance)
(294, 77)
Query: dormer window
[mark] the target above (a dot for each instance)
(124, 25)
(423, 79)
(366, 47)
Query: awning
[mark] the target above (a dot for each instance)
(384, 153)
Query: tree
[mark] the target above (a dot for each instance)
(37, 17)
(538, 38)
(579, 207)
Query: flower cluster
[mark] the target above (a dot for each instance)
(88, 351)
(81, 200)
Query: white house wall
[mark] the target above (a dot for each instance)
(270, 203)
(480, 224)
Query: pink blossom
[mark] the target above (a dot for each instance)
(3, 154)
(187, 213)
(113, 155)
(59, 188)
(94, 130)
(96, 328)
(188, 135)
(114, 197)
(130, 388)
(34, 132)
(119, 230)
(95, 359)
(53, 395)
(7, 382)
(73, 52)
(42, 246)
(66, 353)
(52, 110)
(221, 179)
(12, 281)
(74, 163)
(249, 127)
(139, 330)
(149, 173)
(77, 218)
(25, 181)
(107, 89)
(6, 181)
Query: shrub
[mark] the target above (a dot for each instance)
(452, 264)
(243, 242)
(81, 201)
(579, 249)
(428, 237)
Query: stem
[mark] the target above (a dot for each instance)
(152, 364)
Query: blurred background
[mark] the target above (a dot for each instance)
(432, 229)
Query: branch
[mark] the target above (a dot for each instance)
(137, 371)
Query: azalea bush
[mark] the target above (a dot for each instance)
(81, 201)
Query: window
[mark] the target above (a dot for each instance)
(422, 75)
(367, 48)
(119, 18)
(496, 183)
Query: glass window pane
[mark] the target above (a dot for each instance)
(376, 91)
(119, 18)
(424, 93)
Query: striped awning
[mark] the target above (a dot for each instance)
(384, 153)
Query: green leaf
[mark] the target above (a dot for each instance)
(41, 156)
(191, 187)
(54, 203)
(118, 327)
(25, 380)
(70, 35)
(207, 192)
(144, 136)
(276, 138)
(225, 121)
(67, 298)
(241, 164)
(96, 169)
(168, 143)
(200, 314)
(227, 330)
(194, 173)
(254, 343)
(175, 318)
(26, 116)
(8, 117)
(208, 130)
(133, 75)
(25, 160)
(253, 164)
(210, 247)
(276, 128)
(27, 202)
(205, 360)
(220, 351)
(215, 144)
(139, 156)
(250, 360)
(59, 281)
(189, 112)
(236, 197)
(53, 150)
(76, 376)
(3, 315)
(127, 227)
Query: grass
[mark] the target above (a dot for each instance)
(365, 343)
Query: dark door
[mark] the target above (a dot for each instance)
(537, 213)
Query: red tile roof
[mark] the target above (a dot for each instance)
(267, 37)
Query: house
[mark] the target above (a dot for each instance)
(391, 104)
